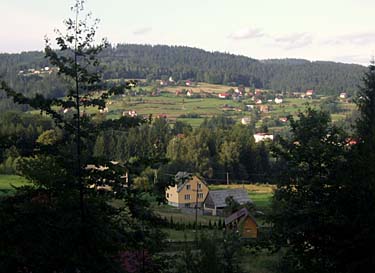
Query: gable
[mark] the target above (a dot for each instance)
(193, 184)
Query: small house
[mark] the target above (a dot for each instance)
(262, 137)
(258, 91)
(310, 92)
(343, 95)
(283, 119)
(215, 201)
(278, 100)
(264, 109)
(223, 95)
(243, 222)
(245, 121)
(188, 192)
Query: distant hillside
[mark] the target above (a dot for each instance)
(158, 62)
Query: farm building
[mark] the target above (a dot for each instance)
(215, 201)
(343, 95)
(245, 121)
(310, 92)
(262, 137)
(278, 100)
(224, 96)
(188, 192)
(242, 222)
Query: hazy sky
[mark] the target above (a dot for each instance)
(336, 30)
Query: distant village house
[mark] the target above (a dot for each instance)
(223, 95)
(262, 137)
(278, 100)
(310, 93)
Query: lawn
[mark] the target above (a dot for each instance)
(174, 106)
(168, 212)
(8, 181)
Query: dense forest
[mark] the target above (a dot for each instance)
(182, 63)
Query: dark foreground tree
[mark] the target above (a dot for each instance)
(323, 209)
(65, 220)
(358, 202)
(306, 197)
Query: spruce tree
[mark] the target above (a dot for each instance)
(64, 220)
(358, 254)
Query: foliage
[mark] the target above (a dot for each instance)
(126, 61)
(214, 253)
(307, 199)
(358, 200)
(66, 220)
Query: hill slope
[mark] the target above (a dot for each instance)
(158, 62)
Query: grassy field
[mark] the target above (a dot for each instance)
(174, 106)
(8, 181)
(179, 217)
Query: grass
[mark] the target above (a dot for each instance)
(168, 212)
(173, 106)
(260, 262)
(8, 182)
(188, 235)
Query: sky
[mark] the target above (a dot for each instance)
(328, 30)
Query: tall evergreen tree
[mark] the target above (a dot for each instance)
(63, 221)
(358, 254)
(306, 200)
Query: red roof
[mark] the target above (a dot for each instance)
(310, 92)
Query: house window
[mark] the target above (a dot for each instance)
(167, 195)
(188, 187)
(199, 186)
(187, 205)
(187, 196)
(200, 195)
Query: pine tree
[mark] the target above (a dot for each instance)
(63, 220)
(306, 201)
(358, 201)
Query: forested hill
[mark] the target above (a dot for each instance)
(182, 63)
(140, 61)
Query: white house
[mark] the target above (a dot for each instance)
(278, 100)
(262, 137)
(343, 95)
(245, 121)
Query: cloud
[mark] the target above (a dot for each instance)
(363, 38)
(142, 31)
(294, 41)
(246, 33)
